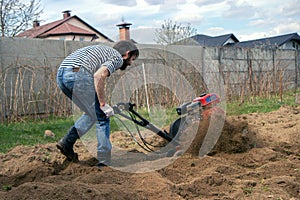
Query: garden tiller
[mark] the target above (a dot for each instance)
(201, 107)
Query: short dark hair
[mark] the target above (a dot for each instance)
(126, 45)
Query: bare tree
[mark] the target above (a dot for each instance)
(173, 32)
(17, 15)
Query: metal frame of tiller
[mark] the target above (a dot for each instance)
(198, 106)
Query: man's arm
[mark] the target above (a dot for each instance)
(99, 81)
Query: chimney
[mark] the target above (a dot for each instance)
(124, 30)
(36, 23)
(66, 14)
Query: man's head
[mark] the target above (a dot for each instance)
(128, 50)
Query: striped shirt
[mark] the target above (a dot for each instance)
(93, 57)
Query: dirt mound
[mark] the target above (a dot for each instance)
(256, 157)
(236, 137)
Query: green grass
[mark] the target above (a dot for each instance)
(260, 105)
(32, 132)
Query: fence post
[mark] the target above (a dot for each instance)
(297, 69)
(274, 70)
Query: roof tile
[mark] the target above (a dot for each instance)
(37, 31)
(66, 28)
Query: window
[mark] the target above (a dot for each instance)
(81, 39)
(62, 38)
(296, 45)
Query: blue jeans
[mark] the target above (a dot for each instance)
(79, 87)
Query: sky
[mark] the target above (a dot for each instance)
(246, 19)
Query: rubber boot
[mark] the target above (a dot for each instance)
(65, 145)
(70, 139)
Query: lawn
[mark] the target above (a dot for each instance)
(32, 132)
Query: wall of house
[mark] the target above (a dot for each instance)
(28, 70)
(83, 26)
(71, 38)
(291, 45)
(229, 41)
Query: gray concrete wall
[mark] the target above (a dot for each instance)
(28, 69)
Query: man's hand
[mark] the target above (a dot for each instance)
(109, 111)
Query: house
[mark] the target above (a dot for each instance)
(205, 40)
(67, 28)
(288, 41)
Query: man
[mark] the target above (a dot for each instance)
(81, 77)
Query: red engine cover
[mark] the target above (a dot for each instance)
(208, 99)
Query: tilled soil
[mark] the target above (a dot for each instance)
(256, 157)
